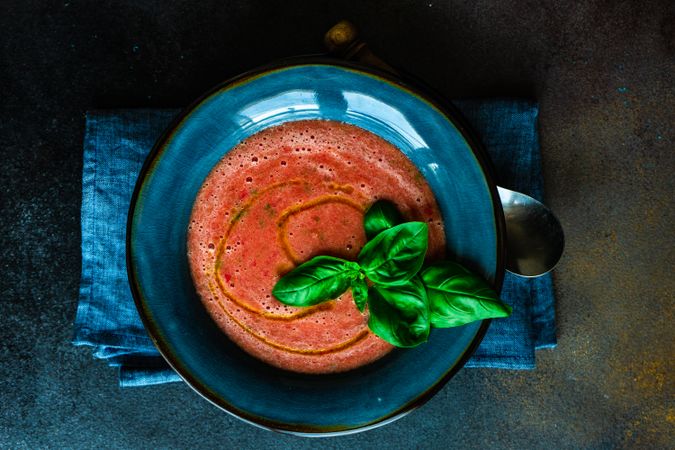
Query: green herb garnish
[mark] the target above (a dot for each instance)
(457, 296)
(319, 279)
(360, 291)
(399, 314)
(381, 216)
(395, 255)
(405, 300)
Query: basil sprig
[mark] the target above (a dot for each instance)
(404, 300)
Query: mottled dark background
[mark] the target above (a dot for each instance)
(604, 74)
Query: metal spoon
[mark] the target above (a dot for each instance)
(534, 237)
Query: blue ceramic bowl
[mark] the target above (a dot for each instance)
(156, 244)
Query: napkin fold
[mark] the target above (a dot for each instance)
(115, 146)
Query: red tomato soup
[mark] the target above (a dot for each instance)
(279, 198)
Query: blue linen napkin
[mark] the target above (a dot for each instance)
(115, 146)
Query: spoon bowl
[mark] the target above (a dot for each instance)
(534, 236)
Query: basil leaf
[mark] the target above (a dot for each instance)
(458, 296)
(381, 216)
(360, 293)
(399, 315)
(319, 279)
(395, 255)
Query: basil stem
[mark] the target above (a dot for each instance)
(395, 255)
(457, 296)
(381, 216)
(319, 279)
(400, 314)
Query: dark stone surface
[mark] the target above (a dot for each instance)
(603, 72)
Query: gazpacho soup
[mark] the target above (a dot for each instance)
(279, 198)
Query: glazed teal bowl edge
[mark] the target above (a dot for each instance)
(166, 326)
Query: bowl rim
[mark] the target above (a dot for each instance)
(407, 84)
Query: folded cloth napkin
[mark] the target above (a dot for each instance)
(115, 146)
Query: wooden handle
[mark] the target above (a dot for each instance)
(342, 40)
(340, 37)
